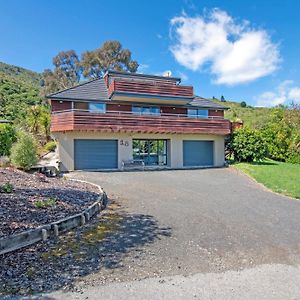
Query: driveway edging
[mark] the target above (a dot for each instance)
(20, 240)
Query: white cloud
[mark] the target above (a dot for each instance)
(235, 52)
(284, 93)
(294, 94)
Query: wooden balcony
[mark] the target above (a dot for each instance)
(150, 88)
(112, 121)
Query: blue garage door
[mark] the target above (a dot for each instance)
(95, 154)
(198, 153)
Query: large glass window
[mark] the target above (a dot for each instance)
(97, 107)
(137, 110)
(197, 113)
(151, 152)
(146, 110)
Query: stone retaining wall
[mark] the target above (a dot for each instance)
(29, 237)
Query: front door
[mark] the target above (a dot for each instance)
(151, 152)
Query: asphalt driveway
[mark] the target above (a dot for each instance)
(206, 221)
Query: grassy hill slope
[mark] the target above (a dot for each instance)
(253, 117)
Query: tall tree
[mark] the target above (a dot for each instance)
(111, 56)
(67, 72)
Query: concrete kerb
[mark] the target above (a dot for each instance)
(41, 233)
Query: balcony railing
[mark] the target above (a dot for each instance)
(114, 121)
(159, 89)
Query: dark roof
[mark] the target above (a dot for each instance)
(127, 74)
(202, 102)
(91, 90)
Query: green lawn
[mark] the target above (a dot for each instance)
(280, 177)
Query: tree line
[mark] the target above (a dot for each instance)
(69, 69)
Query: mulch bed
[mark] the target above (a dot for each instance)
(20, 210)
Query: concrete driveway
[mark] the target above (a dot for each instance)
(214, 234)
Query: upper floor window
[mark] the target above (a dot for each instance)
(197, 113)
(145, 110)
(97, 107)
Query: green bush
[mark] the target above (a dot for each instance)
(50, 146)
(293, 154)
(24, 151)
(6, 188)
(243, 104)
(7, 138)
(248, 145)
(282, 133)
(45, 203)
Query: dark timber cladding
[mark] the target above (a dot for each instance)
(95, 154)
(198, 153)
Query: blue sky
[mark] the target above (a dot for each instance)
(244, 50)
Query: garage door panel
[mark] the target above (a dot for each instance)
(198, 153)
(95, 154)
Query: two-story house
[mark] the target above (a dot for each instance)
(124, 116)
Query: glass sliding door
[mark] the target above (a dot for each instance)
(151, 152)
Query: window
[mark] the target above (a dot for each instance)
(202, 113)
(137, 109)
(146, 110)
(192, 113)
(197, 113)
(97, 107)
(155, 110)
(151, 152)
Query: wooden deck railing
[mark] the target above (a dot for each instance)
(112, 121)
(152, 89)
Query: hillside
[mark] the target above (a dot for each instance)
(253, 117)
(19, 89)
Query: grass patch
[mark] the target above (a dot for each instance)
(280, 177)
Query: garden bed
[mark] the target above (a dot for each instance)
(37, 200)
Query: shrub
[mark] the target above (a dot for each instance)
(50, 146)
(294, 158)
(6, 188)
(248, 145)
(282, 134)
(243, 104)
(7, 138)
(293, 154)
(45, 203)
(24, 151)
